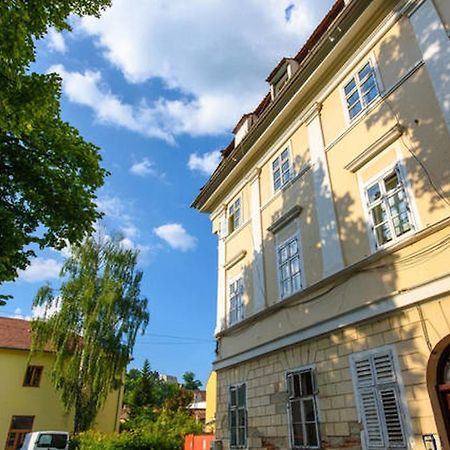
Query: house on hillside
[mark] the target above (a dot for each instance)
(28, 400)
(332, 211)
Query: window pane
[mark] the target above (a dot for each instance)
(311, 435)
(378, 214)
(241, 436)
(370, 95)
(391, 181)
(296, 282)
(241, 418)
(374, 193)
(286, 288)
(308, 408)
(295, 265)
(276, 164)
(285, 274)
(368, 84)
(297, 391)
(383, 234)
(355, 110)
(364, 71)
(241, 395)
(298, 435)
(233, 397)
(307, 384)
(22, 423)
(349, 87)
(293, 248)
(285, 154)
(233, 437)
(353, 99)
(283, 253)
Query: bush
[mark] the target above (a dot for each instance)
(165, 433)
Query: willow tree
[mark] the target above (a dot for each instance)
(100, 311)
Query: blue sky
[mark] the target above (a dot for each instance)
(158, 86)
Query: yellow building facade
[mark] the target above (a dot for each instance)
(332, 212)
(28, 400)
(211, 403)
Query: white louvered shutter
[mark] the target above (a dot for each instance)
(378, 395)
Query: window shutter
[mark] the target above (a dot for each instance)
(363, 371)
(394, 429)
(384, 369)
(377, 389)
(371, 418)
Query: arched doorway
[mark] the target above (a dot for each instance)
(438, 381)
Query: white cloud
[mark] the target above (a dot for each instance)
(176, 236)
(41, 269)
(144, 168)
(38, 312)
(87, 89)
(215, 55)
(205, 163)
(55, 41)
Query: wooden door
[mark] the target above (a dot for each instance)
(20, 426)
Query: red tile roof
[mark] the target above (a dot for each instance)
(15, 333)
(337, 7)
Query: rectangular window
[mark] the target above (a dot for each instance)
(20, 426)
(302, 408)
(388, 208)
(33, 376)
(361, 90)
(236, 293)
(376, 384)
(234, 215)
(289, 267)
(281, 170)
(238, 416)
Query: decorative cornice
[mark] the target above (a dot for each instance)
(377, 147)
(312, 113)
(285, 219)
(235, 259)
(254, 174)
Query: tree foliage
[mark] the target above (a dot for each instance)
(48, 172)
(190, 382)
(101, 310)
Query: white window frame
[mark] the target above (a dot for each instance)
(241, 307)
(353, 75)
(313, 397)
(412, 211)
(237, 408)
(279, 245)
(231, 216)
(400, 389)
(290, 170)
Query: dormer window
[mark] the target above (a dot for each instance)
(279, 85)
(281, 75)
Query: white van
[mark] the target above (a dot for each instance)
(49, 440)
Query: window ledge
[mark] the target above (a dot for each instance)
(377, 147)
(285, 219)
(235, 259)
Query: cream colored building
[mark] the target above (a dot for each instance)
(28, 399)
(332, 211)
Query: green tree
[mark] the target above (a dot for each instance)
(190, 382)
(48, 172)
(100, 313)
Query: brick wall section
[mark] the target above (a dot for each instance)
(340, 429)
